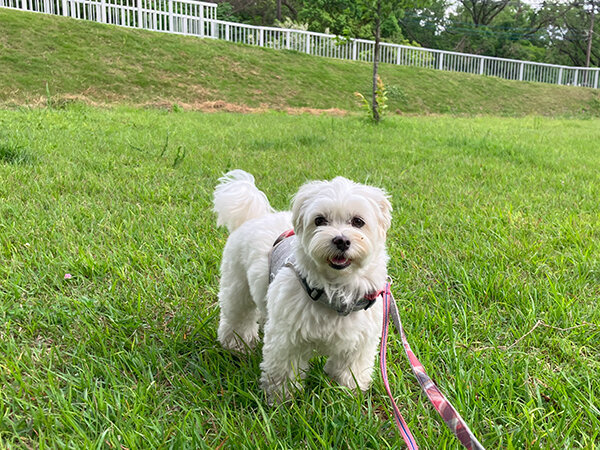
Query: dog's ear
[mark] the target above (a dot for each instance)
(384, 207)
(300, 203)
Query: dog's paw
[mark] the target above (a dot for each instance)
(347, 378)
(279, 392)
(236, 343)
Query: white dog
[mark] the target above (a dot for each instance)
(319, 297)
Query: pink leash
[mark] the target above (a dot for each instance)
(451, 417)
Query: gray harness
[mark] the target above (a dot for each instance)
(282, 255)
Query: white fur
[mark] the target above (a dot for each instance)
(295, 326)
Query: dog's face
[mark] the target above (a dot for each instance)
(340, 224)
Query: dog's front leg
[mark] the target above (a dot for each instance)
(354, 368)
(283, 366)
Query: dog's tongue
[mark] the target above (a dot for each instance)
(339, 260)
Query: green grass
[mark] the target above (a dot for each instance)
(99, 64)
(496, 227)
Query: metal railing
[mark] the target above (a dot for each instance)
(190, 17)
(170, 16)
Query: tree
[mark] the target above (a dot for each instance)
(257, 12)
(341, 17)
(427, 26)
(374, 100)
(588, 54)
(518, 30)
(377, 12)
(482, 12)
(571, 39)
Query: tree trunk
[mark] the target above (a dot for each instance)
(588, 54)
(279, 10)
(376, 60)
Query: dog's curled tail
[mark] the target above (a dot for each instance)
(236, 200)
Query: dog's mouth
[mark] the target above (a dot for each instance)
(339, 262)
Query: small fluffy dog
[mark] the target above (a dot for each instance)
(321, 296)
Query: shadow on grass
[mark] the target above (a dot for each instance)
(233, 378)
(14, 154)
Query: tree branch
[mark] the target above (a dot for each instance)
(290, 7)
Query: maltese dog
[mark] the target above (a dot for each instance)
(310, 278)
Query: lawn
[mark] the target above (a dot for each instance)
(45, 56)
(495, 253)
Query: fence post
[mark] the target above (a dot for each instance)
(596, 81)
(287, 39)
(64, 8)
(308, 43)
(139, 13)
(103, 11)
(521, 71)
(353, 49)
(560, 72)
(201, 20)
(481, 61)
(214, 32)
(261, 37)
(441, 61)
(170, 9)
(226, 31)
(575, 77)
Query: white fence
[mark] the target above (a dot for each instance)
(195, 18)
(171, 16)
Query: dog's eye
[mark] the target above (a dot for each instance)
(357, 222)
(320, 221)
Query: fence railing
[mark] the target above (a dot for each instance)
(196, 18)
(171, 16)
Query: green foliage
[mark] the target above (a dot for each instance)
(364, 104)
(355, 18)
(49, 101)
(291, 24)
(340, 17)
(381, 96)
(396, 92)
(225, 11)
(571, 45)
(551, 32)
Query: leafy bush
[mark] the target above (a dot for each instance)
(381, 96)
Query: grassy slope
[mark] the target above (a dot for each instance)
(495, 228)
(114, 65)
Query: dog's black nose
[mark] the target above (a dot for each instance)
(341, 242)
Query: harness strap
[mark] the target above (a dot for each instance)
(282, 236)
(281, 255)
(451, 417)
(318, 295)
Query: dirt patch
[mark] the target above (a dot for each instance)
(203, 106)
(317, 112)
(222, 106)
(208, 106)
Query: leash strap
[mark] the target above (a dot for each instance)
(451, 417)
(400, 423)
